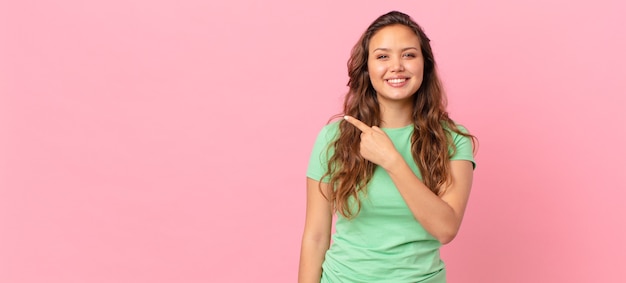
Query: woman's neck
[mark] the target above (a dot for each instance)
(396, 116)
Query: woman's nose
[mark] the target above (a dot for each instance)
(396, 65)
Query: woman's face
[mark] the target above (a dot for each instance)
(395, 64)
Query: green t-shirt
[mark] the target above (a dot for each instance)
(384, 242)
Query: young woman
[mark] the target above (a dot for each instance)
(396, 170)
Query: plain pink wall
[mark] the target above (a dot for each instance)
(167, 141)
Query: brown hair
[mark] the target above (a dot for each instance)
(431, 143)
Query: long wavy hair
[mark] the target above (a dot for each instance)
(431, 142)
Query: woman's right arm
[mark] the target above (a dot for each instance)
(316, 236)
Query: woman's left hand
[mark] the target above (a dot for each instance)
(375, 144)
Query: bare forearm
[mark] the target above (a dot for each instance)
(440, 215)
(311, 258)
(434, 214)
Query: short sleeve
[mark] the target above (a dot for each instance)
(318, 161)
(464, 147)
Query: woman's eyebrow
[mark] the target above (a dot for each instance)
(388, 49)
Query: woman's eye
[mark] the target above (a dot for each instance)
(410, 55)
(381, 57)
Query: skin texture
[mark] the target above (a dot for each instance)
(316, 236)
(393, 53)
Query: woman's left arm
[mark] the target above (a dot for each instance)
(441, 215)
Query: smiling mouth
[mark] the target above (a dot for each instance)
(396, 81)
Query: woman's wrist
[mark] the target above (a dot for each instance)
(394, 163)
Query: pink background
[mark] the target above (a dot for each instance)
(167, 141)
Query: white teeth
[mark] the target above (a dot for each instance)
(396, 81)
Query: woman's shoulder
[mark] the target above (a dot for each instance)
(463, 145)
(459, 131)
(458, 125)
(330, 130)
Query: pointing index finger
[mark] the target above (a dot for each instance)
(357, 123)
